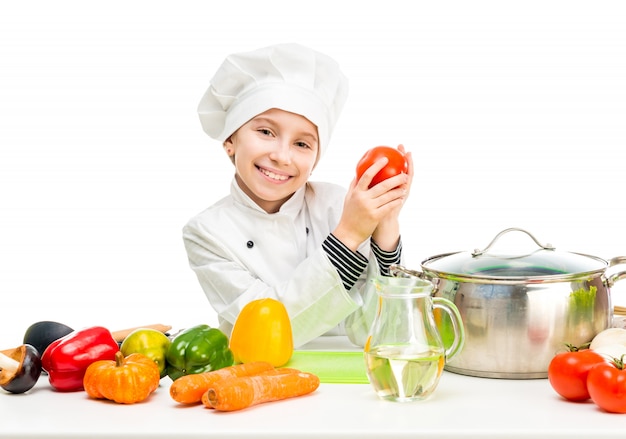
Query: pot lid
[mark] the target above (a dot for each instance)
(543, 262)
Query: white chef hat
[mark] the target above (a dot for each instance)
(289, 77)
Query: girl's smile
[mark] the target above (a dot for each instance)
(272, 175)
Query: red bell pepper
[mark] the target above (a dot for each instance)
(67, 358)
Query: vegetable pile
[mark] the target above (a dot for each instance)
(123, 366)
(206, 368)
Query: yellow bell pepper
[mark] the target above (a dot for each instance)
(262, 332)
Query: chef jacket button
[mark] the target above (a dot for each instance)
(307, 230)
(250, 244)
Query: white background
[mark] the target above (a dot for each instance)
(515, 113)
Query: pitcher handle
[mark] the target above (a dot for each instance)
(457, 325)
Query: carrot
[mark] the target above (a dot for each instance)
(272, 371)
(188, 389)
(285, 370)
(242, 392)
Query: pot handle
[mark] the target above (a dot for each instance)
(399, 271)
(478, 252)
(614, 277)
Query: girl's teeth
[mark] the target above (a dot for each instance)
(273, 176)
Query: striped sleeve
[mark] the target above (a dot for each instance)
(386, 259)
(349, 264)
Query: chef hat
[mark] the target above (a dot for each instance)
(289, 77)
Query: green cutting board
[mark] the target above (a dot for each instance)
(331, 366)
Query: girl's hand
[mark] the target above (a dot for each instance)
(387, 233)
(365, 209)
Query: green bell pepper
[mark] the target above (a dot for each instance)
(198, 349)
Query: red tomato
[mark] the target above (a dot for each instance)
(607, 386)
(568, 372)
(396, 165)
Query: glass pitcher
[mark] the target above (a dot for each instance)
(404, 352)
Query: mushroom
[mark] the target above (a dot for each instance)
(20, 368)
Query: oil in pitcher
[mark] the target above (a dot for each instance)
(404, 353)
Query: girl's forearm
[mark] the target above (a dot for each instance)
(387, 235)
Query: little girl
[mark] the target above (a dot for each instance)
(311, 245)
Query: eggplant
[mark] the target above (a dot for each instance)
(20, 368)
(41, 334)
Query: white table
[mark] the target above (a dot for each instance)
(461, 407)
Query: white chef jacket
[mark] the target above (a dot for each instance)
(241, 253)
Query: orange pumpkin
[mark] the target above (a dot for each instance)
(126, 380)
(262, 332)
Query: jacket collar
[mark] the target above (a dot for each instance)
(291, 207)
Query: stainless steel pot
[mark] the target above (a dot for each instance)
(518, 311)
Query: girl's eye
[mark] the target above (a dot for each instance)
(302, 145)
(265, 131)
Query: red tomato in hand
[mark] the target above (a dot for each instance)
(607, 386)
(397, 163)
(568, 372)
